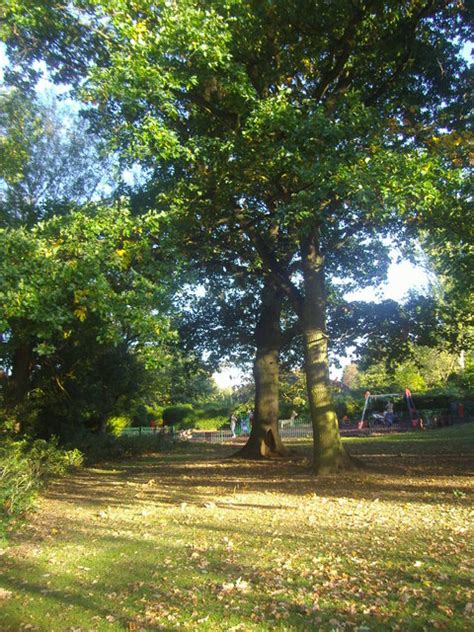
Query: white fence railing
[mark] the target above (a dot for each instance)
(297, 430)
(146, 430)
(222, 436)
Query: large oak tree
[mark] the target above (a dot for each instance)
(318, 124)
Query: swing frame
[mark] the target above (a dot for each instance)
(415, 419)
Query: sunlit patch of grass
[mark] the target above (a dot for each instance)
(191, 540)
(447, 440)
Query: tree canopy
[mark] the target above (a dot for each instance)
(72, 290)
(306, 135)
(50, 159)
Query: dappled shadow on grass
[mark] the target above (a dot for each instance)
(191, 478)
(195, 535)
(190, 582)
(29, 581)
(197, 474)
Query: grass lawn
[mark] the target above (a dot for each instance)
(195, 540)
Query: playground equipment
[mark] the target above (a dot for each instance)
(415, 419)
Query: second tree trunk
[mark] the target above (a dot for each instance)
(265, 440)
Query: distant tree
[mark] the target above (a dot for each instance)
(374, 377)
(349, 375)
(79, 294)
(50, 161)
(408, 375)
(436, 364)
(186, 378)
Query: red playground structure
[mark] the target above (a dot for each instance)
(414, 418)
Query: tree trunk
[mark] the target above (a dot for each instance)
(19, 382)
(328, 452)
(265, 440)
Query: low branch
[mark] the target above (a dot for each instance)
(275, 267)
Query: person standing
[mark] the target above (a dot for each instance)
(389, 414)
(233, 424)
(245, 423)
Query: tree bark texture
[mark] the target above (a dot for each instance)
(328, 452)
(19, 381)
(265, 439)
(20, 378)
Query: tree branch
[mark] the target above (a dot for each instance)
(276, 269)
(346, 45)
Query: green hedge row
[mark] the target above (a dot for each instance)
(107, 447)
(208, 417)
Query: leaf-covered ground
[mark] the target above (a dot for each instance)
(194, 540)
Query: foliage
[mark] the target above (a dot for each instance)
(349, 405)
(423, 368)
(321, 129)
(211, 415)
(50, 160)
(406, 375)
(174, 415)
(200, 415)
(155, 413)
(100, 447)
(350, 375)
(75, 296)
(99, 380)
(186, 377)
(25, 469)
(65, 271)
(213, 408)
(116, 425)
(393, 332)
(293, 393)
(141, 415)
(466, 377)
(216, 422)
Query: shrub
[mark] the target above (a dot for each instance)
(211, 416)
(211, 423)
(106, 447)
(350, 406)
(26, 467)
(176, 415)
(116, 425)
(140, 416)
(155, 413)
(212, 409)
(285, 409)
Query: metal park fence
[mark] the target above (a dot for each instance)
(302, 431)
(298, 430)
(169, 431)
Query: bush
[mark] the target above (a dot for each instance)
(26, 467)
(155, 413)
(106, 447)
(116, 425)
(212, 409)
(211, 416)
(140, 416)
(177, 415)
(210, 423)
(349, 405)
(285, 410)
